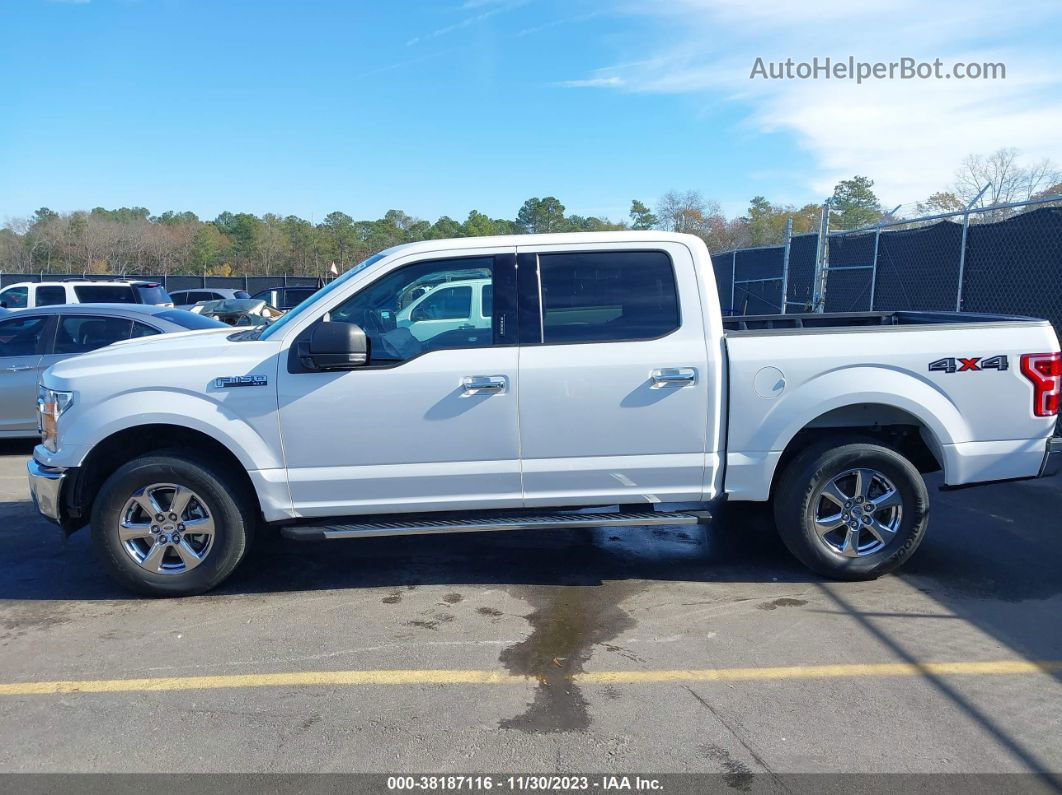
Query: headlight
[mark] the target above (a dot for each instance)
(51, 403)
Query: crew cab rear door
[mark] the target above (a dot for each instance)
(614, 382)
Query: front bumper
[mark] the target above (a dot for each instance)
(46, 485)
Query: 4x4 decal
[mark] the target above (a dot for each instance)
(964, 364)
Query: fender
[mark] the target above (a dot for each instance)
(751, 466)
(256, 448)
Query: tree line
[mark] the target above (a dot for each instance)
(131, 240)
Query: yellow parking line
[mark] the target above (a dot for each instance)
(465, 677)
(824, 671)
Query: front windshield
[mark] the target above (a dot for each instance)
(333, 285)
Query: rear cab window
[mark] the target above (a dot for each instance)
(607, 296)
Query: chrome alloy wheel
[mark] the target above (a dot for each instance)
(857, 513)
(166, 528)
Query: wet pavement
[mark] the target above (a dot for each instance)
(544, 620)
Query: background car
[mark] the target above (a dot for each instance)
(239, 312)
(34, 339)
(183, 299)
(285, 298)
(29, 295)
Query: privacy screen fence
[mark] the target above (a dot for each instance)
(1005, 259)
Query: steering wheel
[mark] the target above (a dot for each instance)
(374, 325)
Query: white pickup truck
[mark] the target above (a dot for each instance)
(606, 385)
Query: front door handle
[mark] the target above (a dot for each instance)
(483, 383)
(674, 376)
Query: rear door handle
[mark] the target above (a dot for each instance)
(20, 368)
(674, 376)
(483, 383)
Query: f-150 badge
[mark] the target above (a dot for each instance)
(231, 381)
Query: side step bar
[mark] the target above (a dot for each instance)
(547, 521)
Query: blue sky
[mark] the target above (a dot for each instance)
(441, 107)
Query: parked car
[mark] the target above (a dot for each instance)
(34, 339)
(185, 299)
(285, 298)
(607, 378)
(239, 311)
(29, 295)
(464, 303)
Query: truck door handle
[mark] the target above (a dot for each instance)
(674, 376)
(483, 383)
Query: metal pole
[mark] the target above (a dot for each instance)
(962, 246)
(818, 297)
(874, 268)
(785, 263)
(733, 277)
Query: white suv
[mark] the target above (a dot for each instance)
(28, 295)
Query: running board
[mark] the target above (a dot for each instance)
(547, 521)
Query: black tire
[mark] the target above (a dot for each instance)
(230, 507)
(798, 496)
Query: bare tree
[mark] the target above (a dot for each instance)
(1010, 181)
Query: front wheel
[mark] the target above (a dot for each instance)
(851, 511)
(170, 525)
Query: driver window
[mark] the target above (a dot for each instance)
(422, 307)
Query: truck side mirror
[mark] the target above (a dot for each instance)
(334, 345)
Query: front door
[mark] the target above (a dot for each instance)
(21, 343)
(614, 376)
(430, 423)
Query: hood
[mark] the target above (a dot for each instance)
(165, 359)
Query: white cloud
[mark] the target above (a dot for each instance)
(908, 135)
(592, 82)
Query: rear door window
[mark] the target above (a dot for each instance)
(51, 295)
(83, 333)
(105, 294)
(607, 296)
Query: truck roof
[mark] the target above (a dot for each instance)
(554, 238)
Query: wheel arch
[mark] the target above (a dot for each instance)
(889, 425)
(121, 446)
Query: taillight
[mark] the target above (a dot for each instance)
(1045, 372)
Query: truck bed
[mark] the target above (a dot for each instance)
(839, 321)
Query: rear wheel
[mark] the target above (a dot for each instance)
(851, 511)
(170, 525)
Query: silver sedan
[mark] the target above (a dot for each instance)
(31, 340)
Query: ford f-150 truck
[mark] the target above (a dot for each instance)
(606, 385)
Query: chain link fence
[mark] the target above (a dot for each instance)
(1004, 259)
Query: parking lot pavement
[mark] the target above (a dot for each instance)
(663, 650)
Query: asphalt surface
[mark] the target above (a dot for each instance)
(628, 639)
